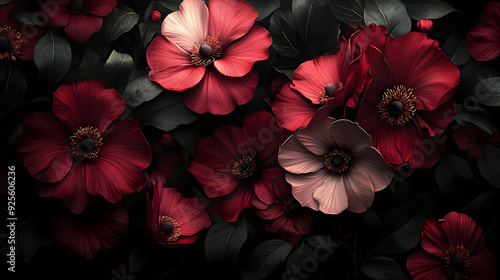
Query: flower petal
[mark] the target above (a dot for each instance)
(317, 137)
(350, 136)
(82, 26)
(331, 195)
(54, 13)
(359, 190)
(482, 264)
(100, 8)
(230, 206)
(423, 266)
(484, 38)
(304, 185)
(373, 166)
(295, 158)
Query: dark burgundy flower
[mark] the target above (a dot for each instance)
(173, 220)
(164, 159)
(409, 100)
(472, 138)
(80, 18)
(425, 25)
(235, 165)
(17, 41)
(94, 229)
(84, 146)
(484, 38)
(452, 248)
(285, 215)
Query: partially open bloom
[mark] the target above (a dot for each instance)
(484, 38)
(472, 138)
(80, 18)
(209, 53)
(235, 165)
(452, 248)
(173, 220)
(96, 228)
(84, 146)
(332, 167)
(285, 215)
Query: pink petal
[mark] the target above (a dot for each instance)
(239, 56)
(304, 185)
(100, 8)
(82, 26)
(331, 195)
(359, 190)
(317, 137)
(295, 158)
(350, 136)
(171, 67)
(217, 94)
(423, 266)
(372, 165)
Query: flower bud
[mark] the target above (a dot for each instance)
(155, 16)
(425, 25)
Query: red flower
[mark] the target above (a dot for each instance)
(84, 147)
(425, 25)
(472, 138)
(235, 165)
(209, 55)
(94, 229)
(484, 38)
(409, 99)
(80, 18)
(285, 215)
(155, 16)
(452, 248)
(173, 220)
(17, 41)
(164, 159)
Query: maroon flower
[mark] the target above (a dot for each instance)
(164, 159)
(80, 18)
(285, 215)
(409, 100)
(84, 146)
(425, 25)
(235, 165)
(472, 138)
(452, 248)
(484, 38)
(96, 228)
(17, 41)
(173, 220)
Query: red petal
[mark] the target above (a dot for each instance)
(215, 183)
(77, 239)
(273, 212)
(482, 264)
(230, 206)
(423, 266)
(484, 38)
(55, 14)
(434, 122)
(81, 27)
(292, 110)
(100, 8)
(30, 36)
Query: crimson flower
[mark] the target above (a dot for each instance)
(235, 165)
(84, 146)
(209, 53)
(484, 38)
(452, 248)
(332, 167)
(472, 138)
(409, 100)
(80, 18)
(285, 215)
(173, 220)
(96, 228)
(164, 159)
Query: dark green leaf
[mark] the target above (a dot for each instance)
(391, 13)
(141, 90)
(24, 16)
(91, 66)
(431, 9)
(348, 11)
(12, 87)
(117, 69)
(489, 163)
(282, 30)
(383, 268)
(314, 248)
(148, 31)
(455, 47)
(474, 115)
(52, 56)
(172, 5)
(487, 91)
(224, 241)
(452, 172)
(119, 22)
(30, 236)
(265, 259)
(486, 203)
(264, 7)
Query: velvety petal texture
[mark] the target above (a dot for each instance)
(483, 39)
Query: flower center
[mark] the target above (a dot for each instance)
(397, 106)
(75, 6)
(291, 206)
(244, 167)
(169, 227)
(329, 92)
(207, 52)
(457, 262)
(337, 161)
(86, 143)
(10, 43)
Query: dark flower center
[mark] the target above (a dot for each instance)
(75, 6)
(291, 206)
(207, 52)
(86, 143)
(337, 161)
(244, 167)
(329, 92)
(457, 262)
(10, 43)
(169, 227)
(397, 106)
(166, 227)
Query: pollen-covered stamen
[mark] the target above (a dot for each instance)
(329, 92)
(86, 143)
(244, 167)
(457, 262)
(397, 106)
(169, 227)
(10, 43)
(207, 52)
(337, 161)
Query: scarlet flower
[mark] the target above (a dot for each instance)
(409, 100)
(173, 220)
(84, 146)
(484, 38)
(472, 138)
(235, 165)
(17, 41)
(285, 215)
(96, 228)
(209, 53)
(332, 167)
(80, 18)
(452, 248)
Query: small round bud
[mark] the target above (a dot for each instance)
(155, 16)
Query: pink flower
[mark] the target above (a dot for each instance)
(484, 38)
(332, 167)
(209, 55)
